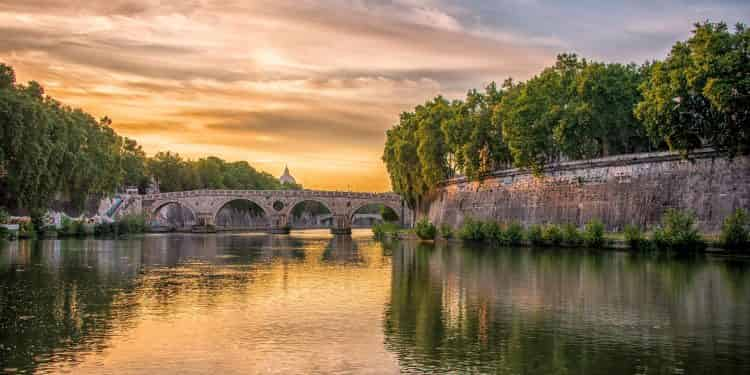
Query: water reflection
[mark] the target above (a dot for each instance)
(233, 303)
(315, 303)
(561, 311)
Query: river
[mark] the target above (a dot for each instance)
(314, 303)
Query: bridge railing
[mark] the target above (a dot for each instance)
(286, 193)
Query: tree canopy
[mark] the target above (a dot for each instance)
(700, 95)
(580, 109)
(51, 151)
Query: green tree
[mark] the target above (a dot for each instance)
(598, 120)
(168, 170)
(210, 171)
(474, 135)
(700, 95)
(402, 160)
(134, 165)
(432, 150)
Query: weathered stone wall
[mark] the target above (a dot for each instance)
(619, 190)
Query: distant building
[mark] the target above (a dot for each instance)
(287, 178)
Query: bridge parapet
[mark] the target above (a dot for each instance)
(285, 193)
(277, 205)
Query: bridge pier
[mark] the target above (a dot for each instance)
(341, 225)
(279, 224)
(205, 223)
(204, 206)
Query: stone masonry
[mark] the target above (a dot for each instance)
(276, 204)
(635, 189)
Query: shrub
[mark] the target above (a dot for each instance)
(131, 224)
(678, 232)
(634, 236)
(593, 234)
(136, 223)
(4, 233)
(4, 216)
(734, 232)
(425, 230)
(471, 230)
(66, 227)
(553, 234)
(37, 218)
(534, 235)
(78, 229)
(388, 214)
(446, 231)
(385, 228)
(513, 234)
(571, 235)
(491, 231)
(658, 238)
(26, 230)
(103, 229)
(377, 230)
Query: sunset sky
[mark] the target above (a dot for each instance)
(311, 84)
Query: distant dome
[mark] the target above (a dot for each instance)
(286, 178)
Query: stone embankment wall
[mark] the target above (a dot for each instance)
(635, 188)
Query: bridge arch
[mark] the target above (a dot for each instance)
(290, 214)
(253, 204)
(396, 209)
(158, 206)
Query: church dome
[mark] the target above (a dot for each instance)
(287, 178)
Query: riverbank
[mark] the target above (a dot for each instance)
(676, 233)
(613, 241)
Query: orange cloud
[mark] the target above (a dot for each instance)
(314, 85)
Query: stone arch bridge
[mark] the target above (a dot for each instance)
(277, 205)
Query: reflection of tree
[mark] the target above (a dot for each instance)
(454, 309)
(53, 300)
(64, 297)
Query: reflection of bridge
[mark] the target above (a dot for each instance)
(277, 205)
(326, 221)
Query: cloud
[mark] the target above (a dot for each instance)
(312, 83)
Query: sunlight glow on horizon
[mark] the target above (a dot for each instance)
(314, 85)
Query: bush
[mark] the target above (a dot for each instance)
(66, 227)
(78, 229)
(4, 216)
(425, 230)
(104, 229)
(385, 228)
(471, 230)
(534, 235)
(131, 224)
(388, 214)
(593, 234)
(553, 234)
(4, 233)
(734, 232)
(571, 236)
(37, 219)
(492, 232)
(513, 234)
(678, 232)
(26, 230)
(634, 236)
(446, 231)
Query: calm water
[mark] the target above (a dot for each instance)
(312, 303)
